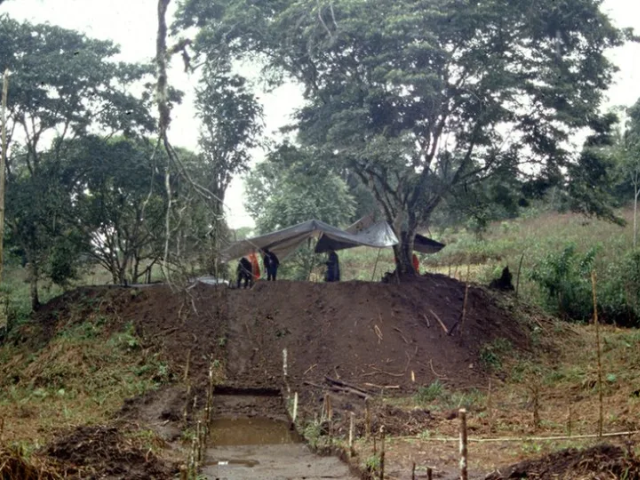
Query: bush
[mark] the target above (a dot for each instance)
(565, 281)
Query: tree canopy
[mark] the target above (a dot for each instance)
(418, 96)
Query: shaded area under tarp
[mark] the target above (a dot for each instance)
(378, 235)
(424, 244)
(284, 242)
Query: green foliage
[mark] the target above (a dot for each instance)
(372, 463)
(430, 393)
(79, 88)
(387, 82)
(293, 186)
(492, 354)
(312, 432)
(565, 280)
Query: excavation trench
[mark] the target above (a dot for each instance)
(251, 437)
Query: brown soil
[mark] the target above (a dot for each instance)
(375, 337)
(600, 462)
(101, 452)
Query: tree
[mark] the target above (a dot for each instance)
(419, 96)
(63, 86)
(231, 126)
(629, 158)
(290, 188)
(118, 202)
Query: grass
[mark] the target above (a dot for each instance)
(81, 376)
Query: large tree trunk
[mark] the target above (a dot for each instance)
(404, 252)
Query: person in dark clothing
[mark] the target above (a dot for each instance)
(245, 272)
(333, 268)
(271, 264)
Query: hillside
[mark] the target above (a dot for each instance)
(127, 366)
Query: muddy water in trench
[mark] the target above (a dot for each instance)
(262, 446)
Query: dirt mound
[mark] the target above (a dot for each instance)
(373, 337)
(103, 452)
(371, 334)
(601, 462)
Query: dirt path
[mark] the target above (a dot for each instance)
(271, 462)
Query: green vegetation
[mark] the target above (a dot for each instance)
(81, 375)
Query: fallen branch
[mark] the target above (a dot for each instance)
(444, 327)
(309, 369)
(401, 335)
(395, 387)
(346, 386)
(378, 333)
(311, 384)
(434, 372)
(426, 319)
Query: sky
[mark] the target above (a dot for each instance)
(132, 24)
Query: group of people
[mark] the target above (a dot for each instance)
(248, 270)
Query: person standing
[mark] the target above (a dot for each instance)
(271, 264)
(244, 273)
(333, 268)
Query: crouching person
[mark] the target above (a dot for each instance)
(245, 273)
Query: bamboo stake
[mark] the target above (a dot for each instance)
(595, 320)
(382, 452)
(464, 304)
(329, 416)
(186, 368)
(367, 419)
(295, 407)
(570, 419)
(490, 406)
(518, 275)
(463, 445)
(352, 417)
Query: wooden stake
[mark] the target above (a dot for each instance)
(463, 444)
(413, 471)
(367, 419)
(352, 418)
(535, 390)
(570, 419)
(464, 305)
(599, 355)
(382, 452)
(518, 275)
(429, 473)
(490, 406)
(295, 407)
(186, 367)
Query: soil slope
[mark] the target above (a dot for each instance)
(361, 333)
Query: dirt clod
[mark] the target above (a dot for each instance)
(601, 462)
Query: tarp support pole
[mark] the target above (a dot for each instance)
(375, 267)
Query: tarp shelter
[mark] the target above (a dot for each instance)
(284, 242)
(423, 244)
(368, 227)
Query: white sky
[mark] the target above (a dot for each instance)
(132, 25)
